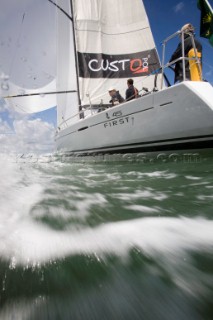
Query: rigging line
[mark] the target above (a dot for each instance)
(205, 43)
(38, 94)
(62, 10)
(20, 108)
(111, 34)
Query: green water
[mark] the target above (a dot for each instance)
(128, 238)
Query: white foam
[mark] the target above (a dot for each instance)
(204, 197)
(141, 194)
(29, 242)
(143, 209)
(154, 174)
(19, 191)
(192, 178)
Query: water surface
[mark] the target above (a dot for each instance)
(119, 238)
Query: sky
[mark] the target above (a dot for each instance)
(27, 57)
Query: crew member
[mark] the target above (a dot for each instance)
(116, 97)
(188, 31)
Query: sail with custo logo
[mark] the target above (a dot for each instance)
(112, 42)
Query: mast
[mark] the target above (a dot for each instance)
(76, 58)
(69, 14)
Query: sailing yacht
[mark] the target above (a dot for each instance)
(100, 45)
(105, 43)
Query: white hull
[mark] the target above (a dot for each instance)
(176, 118)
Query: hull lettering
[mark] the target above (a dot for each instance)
(117, 122)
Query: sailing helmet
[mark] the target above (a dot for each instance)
(188, 28)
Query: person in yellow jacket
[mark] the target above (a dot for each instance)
(193, 70)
